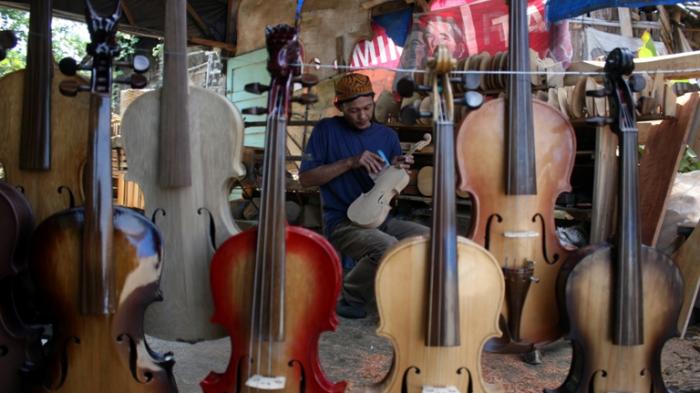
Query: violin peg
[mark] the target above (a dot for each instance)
(256, 88)
(637, 83)
(599, 121)
(598, 93)
(471, 99)
(70, 88)
(254, 110)
(138, 81)
(68, 66)
(410, 115)
(306, 80)
(306, 99)
(140, 64)
(471, 81)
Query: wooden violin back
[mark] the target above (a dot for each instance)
(98, 267)
(515, 157)
(439, 297)
(211, 159)
(46, 160)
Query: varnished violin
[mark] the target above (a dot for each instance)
(623, 299)
(44, 134)
(97, 266)
(515, 156)
(183, 144)
(370, 209)
(275, 286)
(439, 298)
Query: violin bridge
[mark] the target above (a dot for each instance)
(520, 234)
(439, 389)
(262, 382)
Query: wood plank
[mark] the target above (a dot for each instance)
(231, 11)
(212, 43)
(688, 260)
(625, 21)
(604, 186)
(657, 168)
(127, 12)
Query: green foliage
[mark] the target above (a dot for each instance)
(68, 38)
(690, 161)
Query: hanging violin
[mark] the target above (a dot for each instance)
(98, 266)
(514, 161)
(622, 300)
(44, 134)
(439, 298)
(275, 286)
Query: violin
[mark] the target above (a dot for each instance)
(275, 285)
(183, 145)
(370, 209)
(622, 299)
(19, 341)
(439, 297)
(515, 156)
(98, 266)
(44, 134)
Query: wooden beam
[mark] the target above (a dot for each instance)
(199, 21)
(678, 61)
(231, 12)
(373, 3)
(127, 13)
(211, 43)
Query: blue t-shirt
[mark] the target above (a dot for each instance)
(334, 139)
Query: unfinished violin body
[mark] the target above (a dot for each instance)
(44, 150)
(370, 209)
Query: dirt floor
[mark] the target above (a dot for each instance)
(354, 353)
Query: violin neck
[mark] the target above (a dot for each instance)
(628, 318)
(35, 140)
(97, 290)
(270, 256)
(174, 159)
(520, 140)
(443, 288)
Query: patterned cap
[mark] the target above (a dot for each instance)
(351, 86)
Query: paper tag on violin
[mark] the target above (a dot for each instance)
(439, 389)
(262, 382)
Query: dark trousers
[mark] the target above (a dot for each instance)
(367, 246)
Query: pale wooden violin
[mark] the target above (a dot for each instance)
(370, 209)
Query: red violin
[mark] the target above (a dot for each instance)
(275, 286)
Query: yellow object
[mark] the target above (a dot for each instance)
(648, 49)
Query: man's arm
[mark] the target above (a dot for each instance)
(321, 175)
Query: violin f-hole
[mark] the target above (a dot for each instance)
(404, 379)
(470, 383)
(487, 235)
(63, 364)
(302, 379)
(133, 367)
(71, 197)
(212, 226)
(545, 254)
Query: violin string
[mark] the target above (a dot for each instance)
(497, 72)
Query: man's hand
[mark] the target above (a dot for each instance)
(403, 162)
(372, 162)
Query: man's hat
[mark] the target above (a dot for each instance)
(351, 86)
